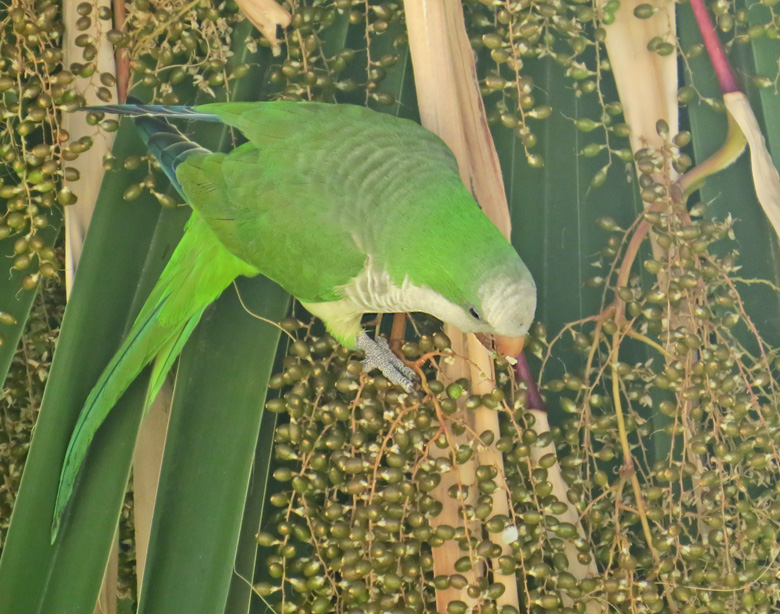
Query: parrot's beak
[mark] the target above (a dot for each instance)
(510, 346)
(504, 346)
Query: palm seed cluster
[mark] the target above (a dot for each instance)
(34, 151)
(171, 43)
(356, 523)
(512, 37)
(671, 461)
(568, 33)
(341, 48)
(674, 428)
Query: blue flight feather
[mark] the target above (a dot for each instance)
(154, 110)
(168, 145)
(164, 141)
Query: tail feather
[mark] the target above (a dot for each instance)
(167, 355)
(154, 110)
(199, 270)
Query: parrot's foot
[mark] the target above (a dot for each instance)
(380, 356)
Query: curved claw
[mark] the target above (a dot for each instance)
(397, 362)
(380, 356)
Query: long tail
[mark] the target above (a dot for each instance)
(197, 273)
(154, 110)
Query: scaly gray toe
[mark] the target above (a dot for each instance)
(380, 356)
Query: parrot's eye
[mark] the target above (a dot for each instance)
(475, 314)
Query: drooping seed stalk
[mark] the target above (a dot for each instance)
(451, 106)
(89, 163)
(536, 407)
(726, 155)
(482, 378)
(743, 128)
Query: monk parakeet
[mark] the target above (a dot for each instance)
(349, 210)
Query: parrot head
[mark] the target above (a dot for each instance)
(504, 311)
(506, 303)
(498, 307)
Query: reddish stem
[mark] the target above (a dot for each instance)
(397, 333)
(523, 374)
(726, 78)
(122, 55)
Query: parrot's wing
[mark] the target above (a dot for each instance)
(269, 123)
(323, 125)
(339, 183)
(287, 228)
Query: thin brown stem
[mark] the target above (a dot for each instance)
(122, 55)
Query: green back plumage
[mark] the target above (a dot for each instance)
(319, 187)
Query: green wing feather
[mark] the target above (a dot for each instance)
(320, 187)
(197, 273)
(268, 218)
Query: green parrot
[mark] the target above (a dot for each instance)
(350, 210)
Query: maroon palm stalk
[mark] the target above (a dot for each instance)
(720, 63)
(523, 374)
